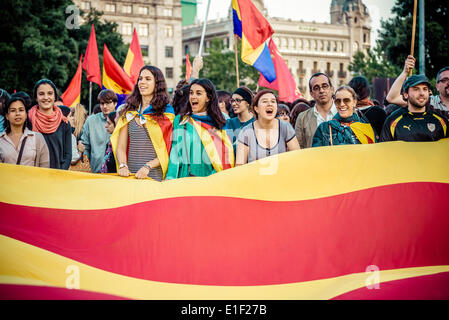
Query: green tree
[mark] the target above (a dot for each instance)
(39, 45)
(219, 67)
(373, 64)
(396, 33)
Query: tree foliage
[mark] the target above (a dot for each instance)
(37, 44)
(396, 33)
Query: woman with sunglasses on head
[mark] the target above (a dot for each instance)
(240, 103)
(18, 144)
(346, 127)
(141, 140)
(201, 145)
(267, 135)
(48, 119)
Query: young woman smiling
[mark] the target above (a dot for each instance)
(48, 119)
(346, 127)
(267, 135)
(201, 145)
(18, 144)
(141, 140)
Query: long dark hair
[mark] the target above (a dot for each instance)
(160, 95)
(212, 108)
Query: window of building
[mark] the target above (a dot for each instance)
(364, 38)
(109, 7)
(127, 8)
(168, 31)
(341, 67)
(168, 12)
(355, 20)
(144, 50)
(143, 10)
(169, 73)
(85, 5)
(226, 42)
(186, 49)
(169, 52)
(143, 30)
(127, 29)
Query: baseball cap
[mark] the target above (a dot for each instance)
(415, 80)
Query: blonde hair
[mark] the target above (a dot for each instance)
(80, 115)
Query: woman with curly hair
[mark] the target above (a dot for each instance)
(141, 140)
(201, 145)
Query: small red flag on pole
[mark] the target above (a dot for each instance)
(91, 60)
(188, 68)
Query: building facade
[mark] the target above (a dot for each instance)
(307, 47)
(159, 27)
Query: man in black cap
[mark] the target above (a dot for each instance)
(416, 122)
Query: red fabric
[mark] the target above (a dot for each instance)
(431, 287)
(233, 241)
(91, 61)
(220, 145)
(74, 89)
(284, 83)
(364, 102)
(115, 72)
(25, 292)
(256, 28)
(188, 68)
(137, 63)
(166, 126)
(46, 123)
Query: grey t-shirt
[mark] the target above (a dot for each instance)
(248, 137)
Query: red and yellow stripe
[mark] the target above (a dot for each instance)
(300, 233)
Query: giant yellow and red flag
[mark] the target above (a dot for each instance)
(114, 77)
(91, 61)
(134, 60)
(261, 231)
(254, 30)
(72, 96)
(284, 82)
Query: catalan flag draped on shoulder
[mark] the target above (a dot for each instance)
(134, 60)
(159, 128)
(254, 30)
(199, 148)
(72, 96)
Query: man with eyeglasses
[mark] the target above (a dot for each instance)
(416, 122)
(322, 91)
(439, 102)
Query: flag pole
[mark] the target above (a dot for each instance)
(236, 61)
(90, 97)
(413, 32)
(204, 29)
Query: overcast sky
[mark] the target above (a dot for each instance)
(307, 10)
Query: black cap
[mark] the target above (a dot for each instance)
(415, 80)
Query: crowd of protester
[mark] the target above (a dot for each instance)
(201, 130)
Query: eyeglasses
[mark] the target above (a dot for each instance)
(317, 88)
(345, 101)
(444, 80)
(237, 100)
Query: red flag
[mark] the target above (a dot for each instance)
(91, 62)
(114, 78)
(284, 82)
(134, 60)
(188, 68)
(72, 94)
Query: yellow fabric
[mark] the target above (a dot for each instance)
(24, 264)
(155, 134)
(209, 145)
(362, 130)
(393, 125)
(128, 62)
(443, 124)
(406, 162)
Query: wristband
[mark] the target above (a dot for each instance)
(147, 166)
(123, 165)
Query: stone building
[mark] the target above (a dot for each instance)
(307, 47)
(159, 27)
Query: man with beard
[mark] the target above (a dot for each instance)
(416, 122)
(439, 102)
(324, 110)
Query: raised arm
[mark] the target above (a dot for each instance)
(394, 95)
